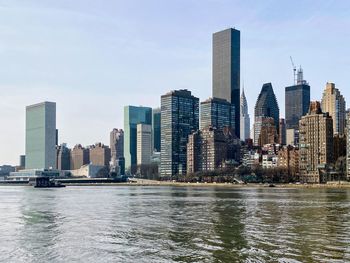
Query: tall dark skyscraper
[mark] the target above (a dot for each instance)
(179, 118)
(156, 129)
(226, 69)
(297, 101)
(217, 113)
(267, 105)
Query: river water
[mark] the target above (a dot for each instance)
(174, 224)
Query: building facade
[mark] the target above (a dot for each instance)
(100, 155)
(264, 131)
(144, 144)
(348, 144)
(334, 103)
(217, 113)
(245, 119)
(209, 148)
(282, 138)
(297, 99)
(288, 158)
(41, 136)
(226, 69)
(179, 118)
(156, 122)
(79, 157)
(132, 116)
(63, 157)
(117, 146)
(267, 105)
(316, 144)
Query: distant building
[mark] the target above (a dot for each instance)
(5, 171)
(209, 148)
(226, 69)
(339, 142)
(288, 158)
(264, 131)
(267, 105)
(282, 138)
(348, 144)
(217, 113)
(292, 137)
(79, 157)
(316, 144)
(63, 157)
(334, 103)
(90, 171)
(41, 136)
(144, 144)
(117, 146)
(179, 118)
(121, 166)
(297, 101)
(100, 155)
(22, 161)
(156, 122)
(133, 115)
(269, 161)
(245, 119)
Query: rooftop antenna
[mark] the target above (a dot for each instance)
(294, 69)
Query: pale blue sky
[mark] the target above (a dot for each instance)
(93, 57)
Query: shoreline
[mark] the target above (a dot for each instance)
(140, 182)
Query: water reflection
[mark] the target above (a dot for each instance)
(174, 224)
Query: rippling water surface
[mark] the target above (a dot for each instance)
(174, 224)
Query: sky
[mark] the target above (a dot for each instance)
(94, 57)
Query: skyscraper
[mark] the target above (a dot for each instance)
(116, 146)
(63, 157)
(297, 99)
(41, 136)
(245, 119)
(209, 148)
(79, 157)
(133, 115)
(217, 113)
(179, 118)
(334, 103)
(226, 69)
(264, 131)
(156, 129)
(316, 144)
(100, 154)
(282, 139)
(267, 105)
(144, 144)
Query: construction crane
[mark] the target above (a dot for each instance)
(294, 69)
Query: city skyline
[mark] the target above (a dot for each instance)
(77, 110)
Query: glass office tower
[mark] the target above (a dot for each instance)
(226, 69)
(179, 118)
(217, 113)
(297, 101)
(133, 115)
